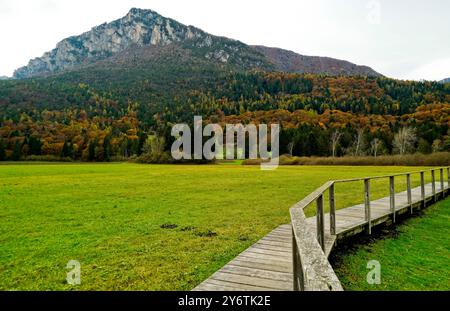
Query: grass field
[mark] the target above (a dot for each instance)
(146, 227)
(416, 257)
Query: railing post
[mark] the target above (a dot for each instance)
(433, 184)
(295, 262)
(320, 222)
(422, 188)
(408, 191)
(367, 204)
(332, 211)
(441, 178)
(392, 196)
(448, 178)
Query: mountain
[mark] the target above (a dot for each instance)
(145, 28)
(139, 28)
(4, 78)
(445, 80)
(288, 61)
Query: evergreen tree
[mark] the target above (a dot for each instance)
(17, 151)
(107, 149)
(35, 145)
(91, 149)
(66, 150)
(2, 151)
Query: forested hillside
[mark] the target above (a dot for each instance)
(95, 114)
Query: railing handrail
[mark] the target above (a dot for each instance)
(391, 175)
(311, 269)
(313, 195)
(318, 274)
(310, 198)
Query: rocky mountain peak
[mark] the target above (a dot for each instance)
(139, 27)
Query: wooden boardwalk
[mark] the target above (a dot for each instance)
(267, 265)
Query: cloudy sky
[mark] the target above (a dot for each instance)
(405, 39)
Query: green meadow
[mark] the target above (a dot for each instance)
(416, 257)
(148, 227)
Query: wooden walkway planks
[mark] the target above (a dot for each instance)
(267, 265)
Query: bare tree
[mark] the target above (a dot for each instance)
(375, 146)
(404, 140)
(335, 137)
(290, 147)
(359, 141)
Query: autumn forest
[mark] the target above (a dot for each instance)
(63, 119)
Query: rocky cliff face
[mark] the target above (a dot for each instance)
(146, 28)
(138, 28)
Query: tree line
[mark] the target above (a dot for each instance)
(319, 115)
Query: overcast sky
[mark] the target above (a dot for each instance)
(406, 39)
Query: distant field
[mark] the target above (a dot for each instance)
(416, 259)
(109, 217)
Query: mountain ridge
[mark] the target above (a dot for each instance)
(290, 61)
(148, 28)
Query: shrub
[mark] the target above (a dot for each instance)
(434, 159)
(47, 158)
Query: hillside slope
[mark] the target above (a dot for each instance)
(288, 61)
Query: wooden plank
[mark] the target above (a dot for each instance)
(250, 254)
(271, 239)
(262, 251)
(208, 287)
(264, 259)
(259, 273)
(263, 265)
(280, 233)
(351, 213)
(286, 245)
(283, 249)
(220, 285)
(253, 281)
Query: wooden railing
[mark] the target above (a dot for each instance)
(311, 268)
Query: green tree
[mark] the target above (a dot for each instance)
(2, 151)
(35, 145)
(153, 150)
(424, 146)
(107, 149)
(91, 150)
(66, 150)
(17, 151)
